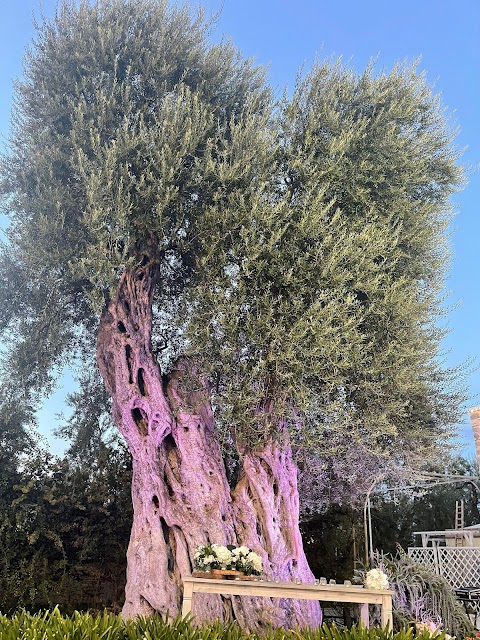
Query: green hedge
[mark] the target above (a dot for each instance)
(83, 626)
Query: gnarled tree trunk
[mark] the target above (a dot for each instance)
(180, 493)
(266, 502)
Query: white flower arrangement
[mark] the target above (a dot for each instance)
(203, 559)
(247, 561)
(217, 556)
(212, 556)
(376, 579)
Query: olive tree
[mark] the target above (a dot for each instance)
(255, 279)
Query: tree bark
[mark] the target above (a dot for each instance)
(179, 491)
(267, 507)
(181, 498)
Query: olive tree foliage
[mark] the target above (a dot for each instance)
(121, 135)
(322, 293)
(319, 254)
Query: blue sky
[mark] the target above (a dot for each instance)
(288, 35)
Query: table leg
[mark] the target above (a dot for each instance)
(364, 617)
(187, 599)
(387, 616)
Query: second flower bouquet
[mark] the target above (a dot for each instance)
(226, 561)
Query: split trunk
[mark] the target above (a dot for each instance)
(181, 497)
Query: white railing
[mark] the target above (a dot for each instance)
(460, 566)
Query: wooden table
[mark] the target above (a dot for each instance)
(324, 593)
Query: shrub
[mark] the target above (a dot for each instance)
(423, 596)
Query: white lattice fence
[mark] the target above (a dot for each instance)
(424, 555)
(459, 565)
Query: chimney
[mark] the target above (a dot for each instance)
(475, 420)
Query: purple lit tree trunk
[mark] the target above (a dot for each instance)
(266, 501)
(179, 490)
(180, 493)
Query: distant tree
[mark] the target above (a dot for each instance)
(396, 515)
(64, 533)
(16, 443)
(258, 282)
(334, 541)
(16, 437)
